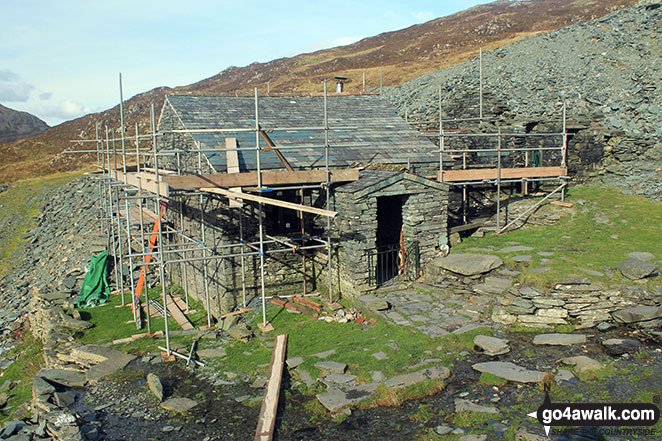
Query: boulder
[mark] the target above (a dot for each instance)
(331, 366)
(154, 384)
(619, 346)
(509, 371)
(64, 377)
(642, 255)
(468, 406)
(436, 372)
(468, 264)
(582, 363)
(636, 269)
(636, 314)
(181, 405)
(241, 332)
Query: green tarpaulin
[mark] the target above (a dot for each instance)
(95, 289)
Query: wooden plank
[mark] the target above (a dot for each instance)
(506, 173)
(232, 162)
(238, 312)
(278, 301)
(305, 302)
(563, 204)
(270, 201)
(268, 412)
(177, 314)
(135, 337)
(268, 178)
(140, 179)
(273, 148)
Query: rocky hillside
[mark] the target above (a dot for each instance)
(606, 71)
(15, 125)
(403, 55)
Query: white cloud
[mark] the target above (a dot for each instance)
(45, 96)
(12, 88)
(423, 16)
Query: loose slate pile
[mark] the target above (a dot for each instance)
(606, 71)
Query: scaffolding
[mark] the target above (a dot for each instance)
(151, 187)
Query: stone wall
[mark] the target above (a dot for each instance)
(424, 219)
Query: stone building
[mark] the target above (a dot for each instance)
(391, 221)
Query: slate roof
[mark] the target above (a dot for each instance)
(383, 136)
(372, 180)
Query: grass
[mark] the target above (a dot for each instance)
(26, 366)
(353, 344)
(21, 205)
(112, 322)
(491, 379)
(473, 419)
(633, 224)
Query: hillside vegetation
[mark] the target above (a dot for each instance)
(403, 55)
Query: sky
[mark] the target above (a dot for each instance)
(61, 59)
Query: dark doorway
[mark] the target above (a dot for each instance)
(389, 219)
(389, 227)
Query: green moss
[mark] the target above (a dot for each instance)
(473, 419)
(424, 414)
(491, 379)
(578, 236)
(21, 205)
(113, 322)
(27, 364)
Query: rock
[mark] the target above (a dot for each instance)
(212, 353)
(108, 367)
(325, 354)
(491, 345)
(241, 332)
(468, 264)
(337, 399)
(436, 372)
(294, 362)
(636, 269)
(443, 430)
(181, 405)
(514, 249)
(559, 339)
(229, 322)
(259, 383)
(92, 354)
(378, 305)
(583, 363)
(74, 324)
(338, 379)
(154, 384)
(377, 376)
(565, 376)
(523, 434)
(466, 328)
(468, 406)
(64, 377)
(473, 437)
(509, 371)
(636, 314)
(10, 428)
(641, 255)
(619, 346)
(605, 326)
(4, 399)
(522, 258)
(381, 355)
(41, 388)
(64, 399)
(331, 366)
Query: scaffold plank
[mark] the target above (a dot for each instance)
(268, 178)
(270, 201)
(506, 173)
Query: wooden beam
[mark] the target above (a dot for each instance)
(273, 148)
(268, 412)
(232, 164)
(481, 174)
(147, 182)
(177, 314)
(270, 201)
(268, 178)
